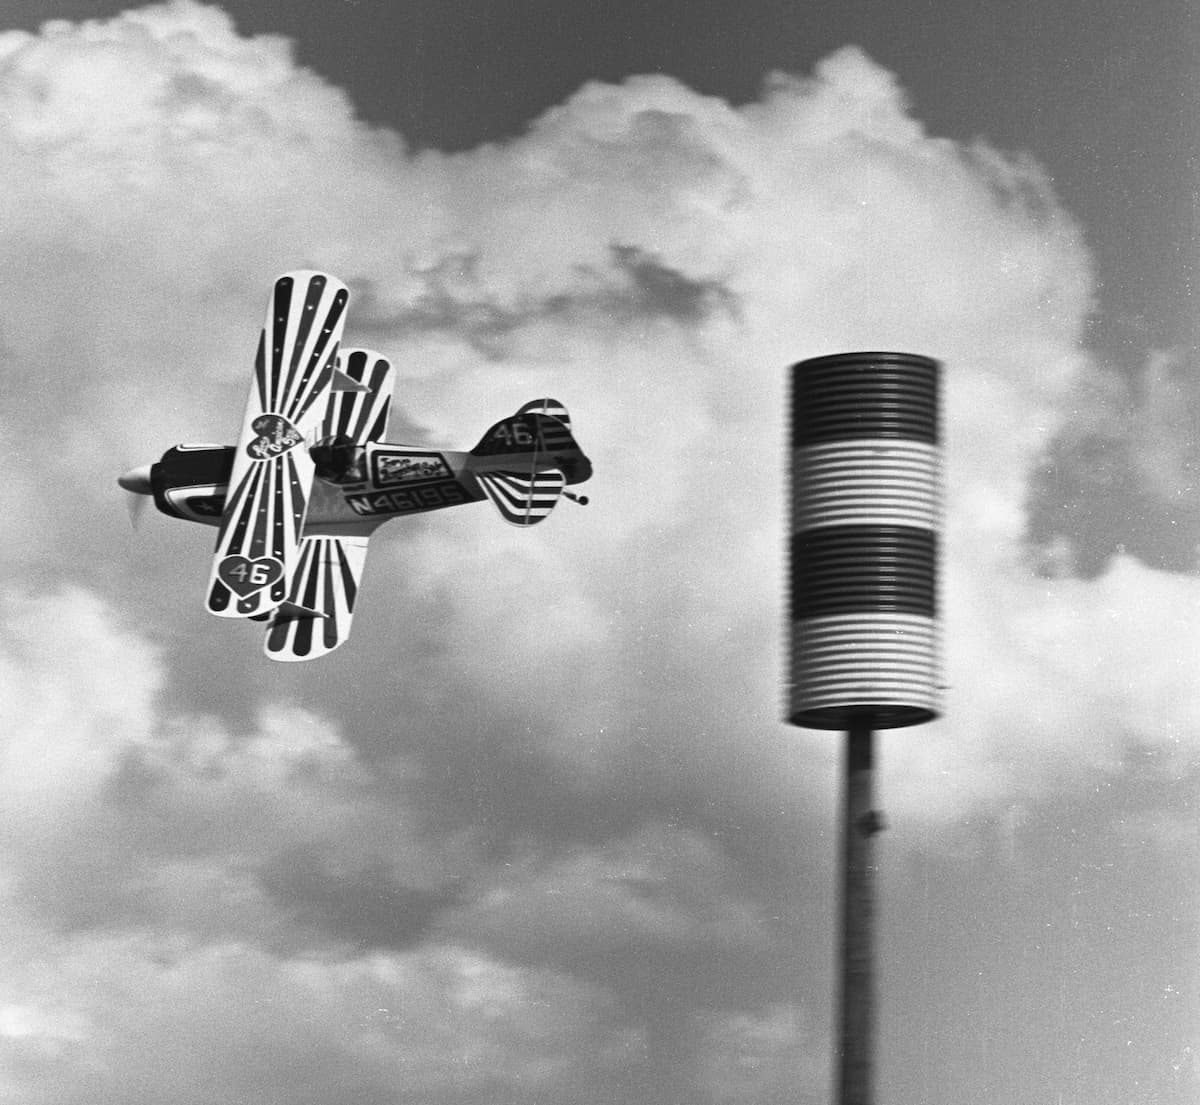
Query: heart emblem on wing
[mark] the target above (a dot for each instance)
(244, 576)
(275, 435)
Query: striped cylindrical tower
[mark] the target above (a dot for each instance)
(866, 506)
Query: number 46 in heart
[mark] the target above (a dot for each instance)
(244, 576)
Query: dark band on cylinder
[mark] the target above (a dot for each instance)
(865, 395)
(864, 569)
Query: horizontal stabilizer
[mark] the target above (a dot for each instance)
(523, 498)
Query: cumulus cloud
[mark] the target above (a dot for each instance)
(184, 902)
(1120, 476)
(127, 1019)
(544, 790)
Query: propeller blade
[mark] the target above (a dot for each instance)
(136, 505)
(137, 482)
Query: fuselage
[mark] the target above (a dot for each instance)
(383, 481)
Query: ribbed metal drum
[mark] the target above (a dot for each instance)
(866, 512)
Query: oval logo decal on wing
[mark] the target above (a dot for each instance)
(244, 576)
(275, 435)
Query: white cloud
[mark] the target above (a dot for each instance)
(171, 913)
(133, 1019)
(1050, 680)
(657, 888)
(762, 1057)
(75, 685)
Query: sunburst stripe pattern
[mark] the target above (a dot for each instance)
(326, 581)
(264, 520)
(264, 517)
(359, 415)
(303, 330)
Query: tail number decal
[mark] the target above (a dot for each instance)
(430, 497)
(514, 434)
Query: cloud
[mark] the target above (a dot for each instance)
(761, 1057)
(542, 806)
(130, 1020)
(189, 908)
(1120, 476)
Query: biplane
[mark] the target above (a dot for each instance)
(297, 500)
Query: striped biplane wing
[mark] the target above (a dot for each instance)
(316, 616)
(259, 540)
(360, 415)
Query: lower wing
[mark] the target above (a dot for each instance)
(315, 618)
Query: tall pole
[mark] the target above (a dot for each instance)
(860, 823)
(866, 514)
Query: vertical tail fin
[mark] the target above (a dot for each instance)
(523, 462)
(551, 407)
(540, 426)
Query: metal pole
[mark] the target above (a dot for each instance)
(861, 823)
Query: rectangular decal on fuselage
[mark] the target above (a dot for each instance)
(430, 496)
(391, 469)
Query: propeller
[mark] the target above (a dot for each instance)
(137, 482)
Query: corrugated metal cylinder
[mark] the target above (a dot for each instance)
(866, 514)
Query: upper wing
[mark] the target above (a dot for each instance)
(361, 416)
(316, 617)
(272, 473)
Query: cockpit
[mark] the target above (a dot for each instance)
(339, 460)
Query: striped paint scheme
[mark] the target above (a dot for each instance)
(264, 514)
(326, 580)
(262, 524)
(855, 482)
(526, 432)
(552, 408)
(360, 415)
(304, 323)
(866, 396)
(852, 569)
(552, 433)
(866, 510)
(889, 661)
(523, 498)
(553, 424)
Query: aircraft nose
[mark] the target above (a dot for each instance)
(137, 480)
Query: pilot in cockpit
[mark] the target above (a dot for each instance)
(339, 460)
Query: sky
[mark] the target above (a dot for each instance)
(537, 833)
